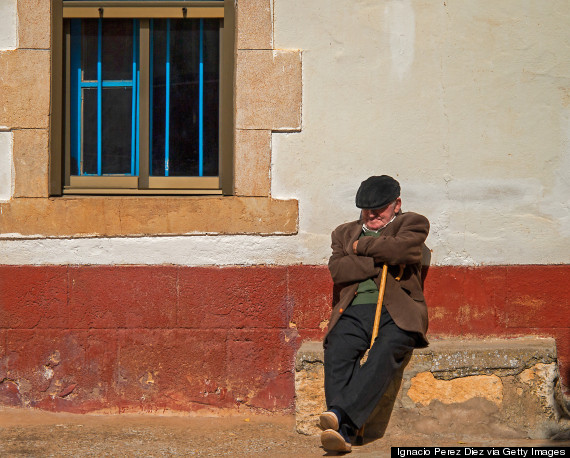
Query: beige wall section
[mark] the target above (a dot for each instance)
(25, 102)
(253, 161)
(31, 163)
(268, 96)
(147, 216)
(255, 24)
(252, 147)
(269, 90)
(34, 24)
(25, 88)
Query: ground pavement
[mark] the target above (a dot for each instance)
(35, 433)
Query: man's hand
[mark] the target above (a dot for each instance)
(354, 246)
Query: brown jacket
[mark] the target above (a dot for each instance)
(400, 243)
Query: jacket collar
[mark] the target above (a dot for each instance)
(355, 232)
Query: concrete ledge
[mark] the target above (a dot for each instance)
(499, 388)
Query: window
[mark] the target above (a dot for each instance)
(146, 97)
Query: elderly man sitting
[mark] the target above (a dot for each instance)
(383, 235)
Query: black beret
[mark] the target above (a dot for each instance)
(377, 192)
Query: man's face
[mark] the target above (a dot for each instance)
(377, 218)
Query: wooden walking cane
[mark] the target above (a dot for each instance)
(360, 432)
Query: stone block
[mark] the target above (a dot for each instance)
(310, 291)
(122, 297)
(449, 358)
(425, 388)
(260, 362)
(33, 297)
(172, 369)
(25, 89)
(61, 369)
(253, 162)
(31, 163)
(247, 297)
(499, 388)
(128, 216)
(309, 383)
(34, 24)
(538, 298)
(195, 372)
(254, 24)
(269, 90)
(466, 300)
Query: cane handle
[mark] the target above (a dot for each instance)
(401, 272)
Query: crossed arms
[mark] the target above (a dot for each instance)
(401, 245)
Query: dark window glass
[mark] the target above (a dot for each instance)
(184, 93)
(211, 97)
(117, 49)
(158, 96)
(89, 131)
(89, 45)
(116, 131)
(116, 53)
(184, 87)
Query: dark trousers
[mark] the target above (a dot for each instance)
(353, 388)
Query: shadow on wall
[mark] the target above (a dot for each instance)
(376, 425)
(426, 261)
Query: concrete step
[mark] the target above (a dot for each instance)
(494, 388)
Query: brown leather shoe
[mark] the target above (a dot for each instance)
(328, 420)
(334, 442)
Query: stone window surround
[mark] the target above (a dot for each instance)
(267, 99)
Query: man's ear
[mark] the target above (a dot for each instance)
(398, 205)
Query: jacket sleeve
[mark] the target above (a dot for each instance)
(403, 247)
(349, 268)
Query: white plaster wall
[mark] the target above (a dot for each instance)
(8, 24)
(467, 104)
(6, 166)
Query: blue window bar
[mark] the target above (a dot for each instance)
(105, 98)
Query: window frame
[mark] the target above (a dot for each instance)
(60, 181)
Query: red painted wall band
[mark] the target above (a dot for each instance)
(150, 338)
